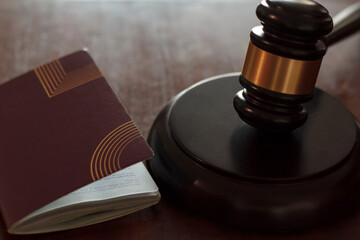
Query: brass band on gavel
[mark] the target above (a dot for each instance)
(280, 74)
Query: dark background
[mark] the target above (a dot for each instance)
(149, 51)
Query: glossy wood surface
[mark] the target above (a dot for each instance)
(149, 51)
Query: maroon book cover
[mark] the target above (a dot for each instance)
(62, 127)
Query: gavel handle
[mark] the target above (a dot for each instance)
(346, 23)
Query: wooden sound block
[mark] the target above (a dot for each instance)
(209, 160)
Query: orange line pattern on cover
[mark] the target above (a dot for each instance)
(107, 155)
(55, 80)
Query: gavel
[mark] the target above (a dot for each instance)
(283, 60)
(292, 159)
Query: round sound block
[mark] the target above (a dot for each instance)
(208, 159)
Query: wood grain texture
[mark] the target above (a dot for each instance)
(149, 51)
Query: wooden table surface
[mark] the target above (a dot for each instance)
(149, 51)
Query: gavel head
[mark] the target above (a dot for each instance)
(282, 63)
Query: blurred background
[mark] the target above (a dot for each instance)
(149, 51)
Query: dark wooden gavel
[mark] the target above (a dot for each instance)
(283, 60)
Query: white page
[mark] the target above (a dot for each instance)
(131, 180)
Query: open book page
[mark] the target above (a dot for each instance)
(133, 183)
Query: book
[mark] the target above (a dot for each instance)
(70, 154)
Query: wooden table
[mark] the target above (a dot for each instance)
(149, 51)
